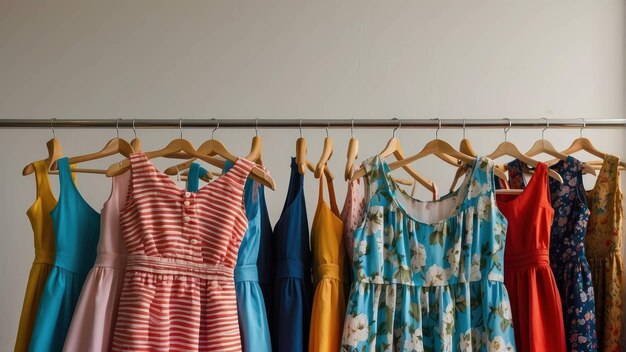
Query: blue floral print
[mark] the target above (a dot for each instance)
(429, 275)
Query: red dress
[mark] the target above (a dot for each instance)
(535, 300)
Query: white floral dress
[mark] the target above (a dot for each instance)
(429, 275)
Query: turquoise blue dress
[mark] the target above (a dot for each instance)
(429, 275)
(292, 293)
(253, 325)
(77, 230)
(265, 262)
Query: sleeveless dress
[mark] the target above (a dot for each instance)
(292, 284)
(429, 275)
(329, 254)
(41, 222)
(352, 215)
(535, 300)
(567, 250)
(604, 251)
(253, 326)
(265, 261)
(77, 229)
(179, 292)
(92, 325)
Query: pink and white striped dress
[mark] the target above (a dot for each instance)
(179, 291)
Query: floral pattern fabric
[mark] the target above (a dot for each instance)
(604, 250)
(429, 285)
(567, 250)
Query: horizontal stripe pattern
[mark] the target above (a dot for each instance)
(179, 292)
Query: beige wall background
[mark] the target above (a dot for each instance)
(291, 59)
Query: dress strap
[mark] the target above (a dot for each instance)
(42, 179)
(65, 175)
(516, 174)
(196, 172)
(331, 194)
(374, 174)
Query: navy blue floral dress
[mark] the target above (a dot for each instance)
(567, 252)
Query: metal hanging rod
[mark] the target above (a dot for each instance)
(313, 123)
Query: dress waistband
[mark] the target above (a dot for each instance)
(290, 268)
(326, 271)
(173, 266)
(537, 257)
(111, 260)
(246, 273)
(44, 257)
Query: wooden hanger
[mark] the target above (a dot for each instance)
(183, 145)
(436, 146)
(55, 151)
(394, 148)
(256, 152)
(543, 146)
(507, 148)
(353, 150)
(114, 146)
(327, 153)
(136, 142)
(584, 144)
(465, 147)
(301, 153)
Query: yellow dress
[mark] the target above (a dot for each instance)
(41, 222)
(603, 244)
(328, 256)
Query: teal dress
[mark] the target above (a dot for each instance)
(429, 275)
(253, 325)
(77, 230)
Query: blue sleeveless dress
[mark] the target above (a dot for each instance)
(253, 325)
(77, 230)
(292, 296)
(265, 262)
(429, 275)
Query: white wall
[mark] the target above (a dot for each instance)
(289, 59)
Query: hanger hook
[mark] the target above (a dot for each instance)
(580, 132)
(117, 128)
(180, 127)
(300, 127)
(438, 127)
(327, 129)
(545, 128)
(393, 134)
(216, 127)
(256, 126)
(134, 130)
(506, 130)
(463, 128)
(352, 128)
(52, 127)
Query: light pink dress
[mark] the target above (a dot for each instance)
(92, 324)
(352, 214)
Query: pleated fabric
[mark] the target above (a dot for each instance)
(77, 229)
(328, 259)
(94, 318)
(528, 277)
(291, 307)
(41, 222)
(604, 245)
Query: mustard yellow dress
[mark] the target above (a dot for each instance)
(41, 222)
(329, 277)
(603, 244)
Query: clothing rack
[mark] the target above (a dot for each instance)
(313, 123)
